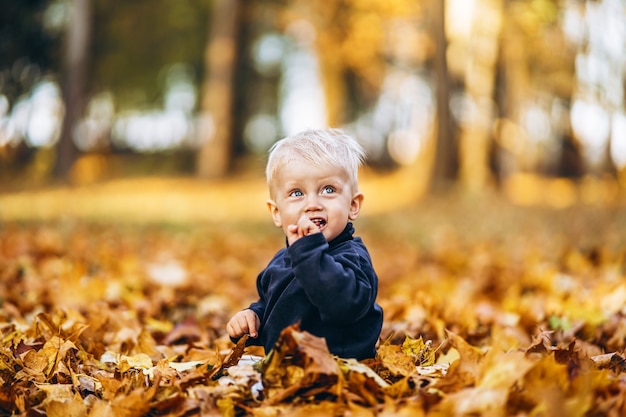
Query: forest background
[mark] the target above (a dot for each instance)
(481, 92)
(133, 138)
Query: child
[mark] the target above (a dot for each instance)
(324, 277)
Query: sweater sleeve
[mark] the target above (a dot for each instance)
(259, 306)
(341, 284)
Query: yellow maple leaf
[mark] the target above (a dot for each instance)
(398, 363)
(138, 361)
(421, 352)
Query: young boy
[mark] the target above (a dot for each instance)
(324, 277)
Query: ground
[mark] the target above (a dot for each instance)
(115, 296)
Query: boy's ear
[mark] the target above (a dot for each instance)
(271, 204)
(355, 205)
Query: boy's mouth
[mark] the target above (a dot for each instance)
(320, 223)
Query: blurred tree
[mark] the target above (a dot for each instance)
(75, 75)
(507, 83)
(479, 106)
(513, 83)
(27, 50)
(598, 96)
(257, 77)
(534, 92)
(364, 49)
(28, 54)
(136, 42)
(445, 170)
(133, 50)
(217, 95)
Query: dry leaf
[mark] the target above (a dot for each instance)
(466, 370)
(421, 352)
(392, 358)
(89, 329)
(301, 364)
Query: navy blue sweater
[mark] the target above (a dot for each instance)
(329, 287)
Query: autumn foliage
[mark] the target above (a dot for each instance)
(489, 310)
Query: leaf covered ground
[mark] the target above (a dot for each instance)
(490, 309)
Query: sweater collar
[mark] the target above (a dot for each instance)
(343, 236)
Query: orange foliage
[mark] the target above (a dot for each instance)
(486, 313)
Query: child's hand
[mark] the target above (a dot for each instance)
(244, 322)
(304, 227)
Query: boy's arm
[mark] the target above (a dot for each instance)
(342, 286)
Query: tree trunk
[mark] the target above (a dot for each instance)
(480, 81)
(513, 90)
(446, 152)
(74, 85)
(216, 127)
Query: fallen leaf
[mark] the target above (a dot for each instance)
(463, 372)
(301, 364)
(421, 352)
(394, 360)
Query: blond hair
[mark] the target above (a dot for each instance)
(321, 148)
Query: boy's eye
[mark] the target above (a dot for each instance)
(328, 190)
(296, 193)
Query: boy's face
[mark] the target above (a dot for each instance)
(323, 194)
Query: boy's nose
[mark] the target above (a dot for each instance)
(313, 203)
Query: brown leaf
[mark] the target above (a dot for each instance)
(183, 333)
(86, 384)
(576, 360)
(139, 361)
(474, 401)
(71, 407)
(612, 361)
(61, 401)
(542, 344)
(54, 352)
(362, 384)
(463, 372)
(34, 365)
(504, 369)
(392, 358)
(300, 363)
(164, 372)
(134, 404)
(236, 353)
